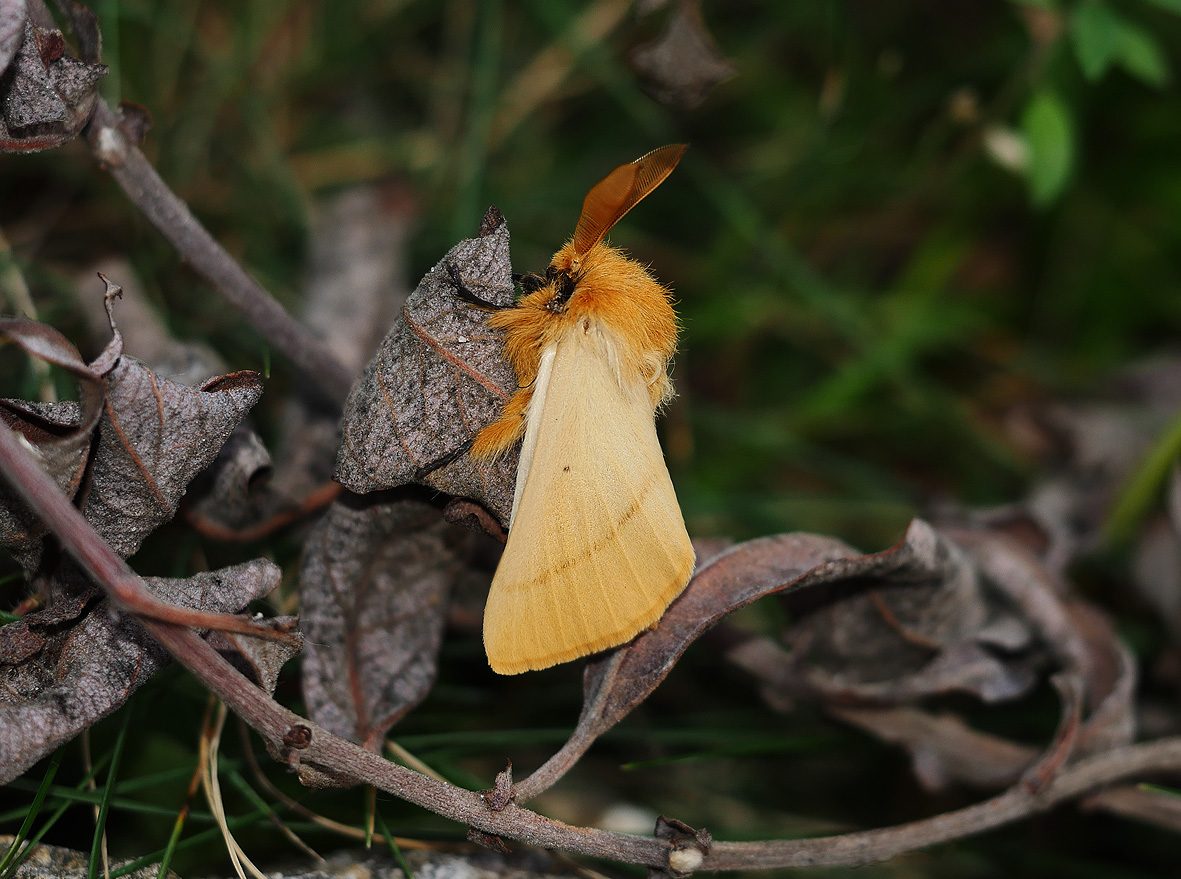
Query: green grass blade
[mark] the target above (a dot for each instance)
(38, 800)
(1144, 486)
(394, 849)
(104, 807)
(98, 767)
(178, 825)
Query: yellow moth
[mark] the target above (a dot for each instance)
(597, 547)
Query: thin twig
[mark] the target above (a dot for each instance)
(299, 808)
(172, 217)
(124, 586)
(313, 751)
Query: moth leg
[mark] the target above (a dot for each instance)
(499, 436)
(442, 461)
(464, 293)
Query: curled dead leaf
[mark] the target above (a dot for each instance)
(374, 583)
(260, 659)
(682, 65)
(614, 683)
(82, 671)
(12, 29)
(438, 377)
(59, 433)
(46, 95)
(154, 437)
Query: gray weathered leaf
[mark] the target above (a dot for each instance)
(912, 621)
(154, 437)
(229, 491)
(46, 95)
(59, 433)
(374, 583)
(355, 289)
(260, 659)
(1077, 639)
(145, 333)
(233, 493)
(438, 377)
(683, 65)
(80, 673)
(615, 682)
(12, 28)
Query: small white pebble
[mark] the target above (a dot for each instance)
(463, 340)
(685, 860)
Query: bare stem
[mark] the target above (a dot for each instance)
(307, 748)
(168, 213)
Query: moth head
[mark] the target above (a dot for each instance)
(606, 203)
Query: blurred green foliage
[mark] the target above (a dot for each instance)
(895, 222)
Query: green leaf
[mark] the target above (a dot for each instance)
(1094, 30)
(1139, 53)
(1049, 133)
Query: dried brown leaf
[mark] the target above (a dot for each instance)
(943, 749)
(84, 671)
(895, 626)
(145, 332)
(357, 282)
(1097, 673)
(234, 491)
(356, 286)
(1077, 636)
(12, 29)
(374, 583)
(683, 65)
(46, 95)
(154, 437)
(59, 433)
(615, 682)
(260, 659)
(230, 491)
(1162, 808)
(438, 377)
(914, 621)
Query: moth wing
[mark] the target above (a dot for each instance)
(620, 191)
(597, 548)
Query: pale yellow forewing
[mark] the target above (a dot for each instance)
(597, 548)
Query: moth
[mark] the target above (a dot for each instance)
(597, 547)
